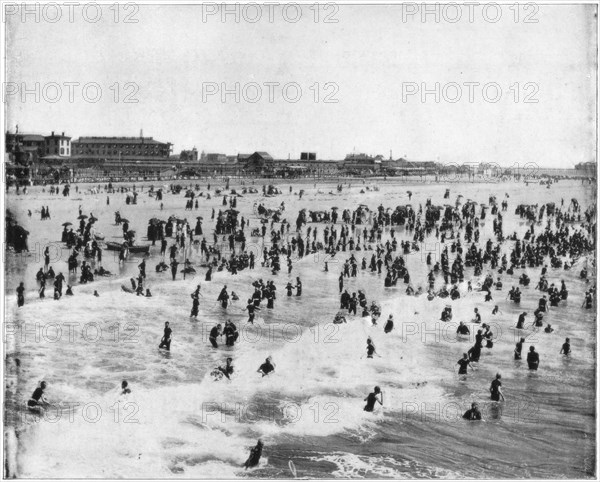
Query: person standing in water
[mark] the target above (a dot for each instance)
(372, 399)
(533, 358)
(370, 348)
(521, 320)
(251, 307)
(166, 339)
(566, 348)
(496, 390)
(195, 305)
(464, 363)
(214, 332)
(389, 324)
(519, 348)
(21, 294)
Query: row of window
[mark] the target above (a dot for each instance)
(119, 146)
(115, 152)
(63, 151)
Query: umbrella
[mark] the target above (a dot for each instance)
(131, 232)
(409, 192)
(93, 219)
(123, 220)
(83, 216)
(67, 224)
(334, 208)
(154, 221)
(199, 217)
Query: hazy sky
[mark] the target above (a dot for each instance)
(375, 61)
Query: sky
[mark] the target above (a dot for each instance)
(504, 84)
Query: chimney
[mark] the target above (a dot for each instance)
(63, 134)
(52, 133)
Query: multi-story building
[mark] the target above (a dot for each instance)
(57, 145)
(32, 146)
(120, 148)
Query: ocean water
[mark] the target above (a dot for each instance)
(179, 422)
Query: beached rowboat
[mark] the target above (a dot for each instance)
(112, 246)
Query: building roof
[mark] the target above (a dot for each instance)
(118, 140)
(360, 155)
(33, 137)
(93, 157)
(265, 155)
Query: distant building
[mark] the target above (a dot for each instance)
(306, 168)
(29, 147)
(57, 145)
(214, 158)
(120, 148)
(308, 156)
(404, 167)
(33, 142)
(587, 167)
(259, 162)
(362, 163)
(189, 156)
